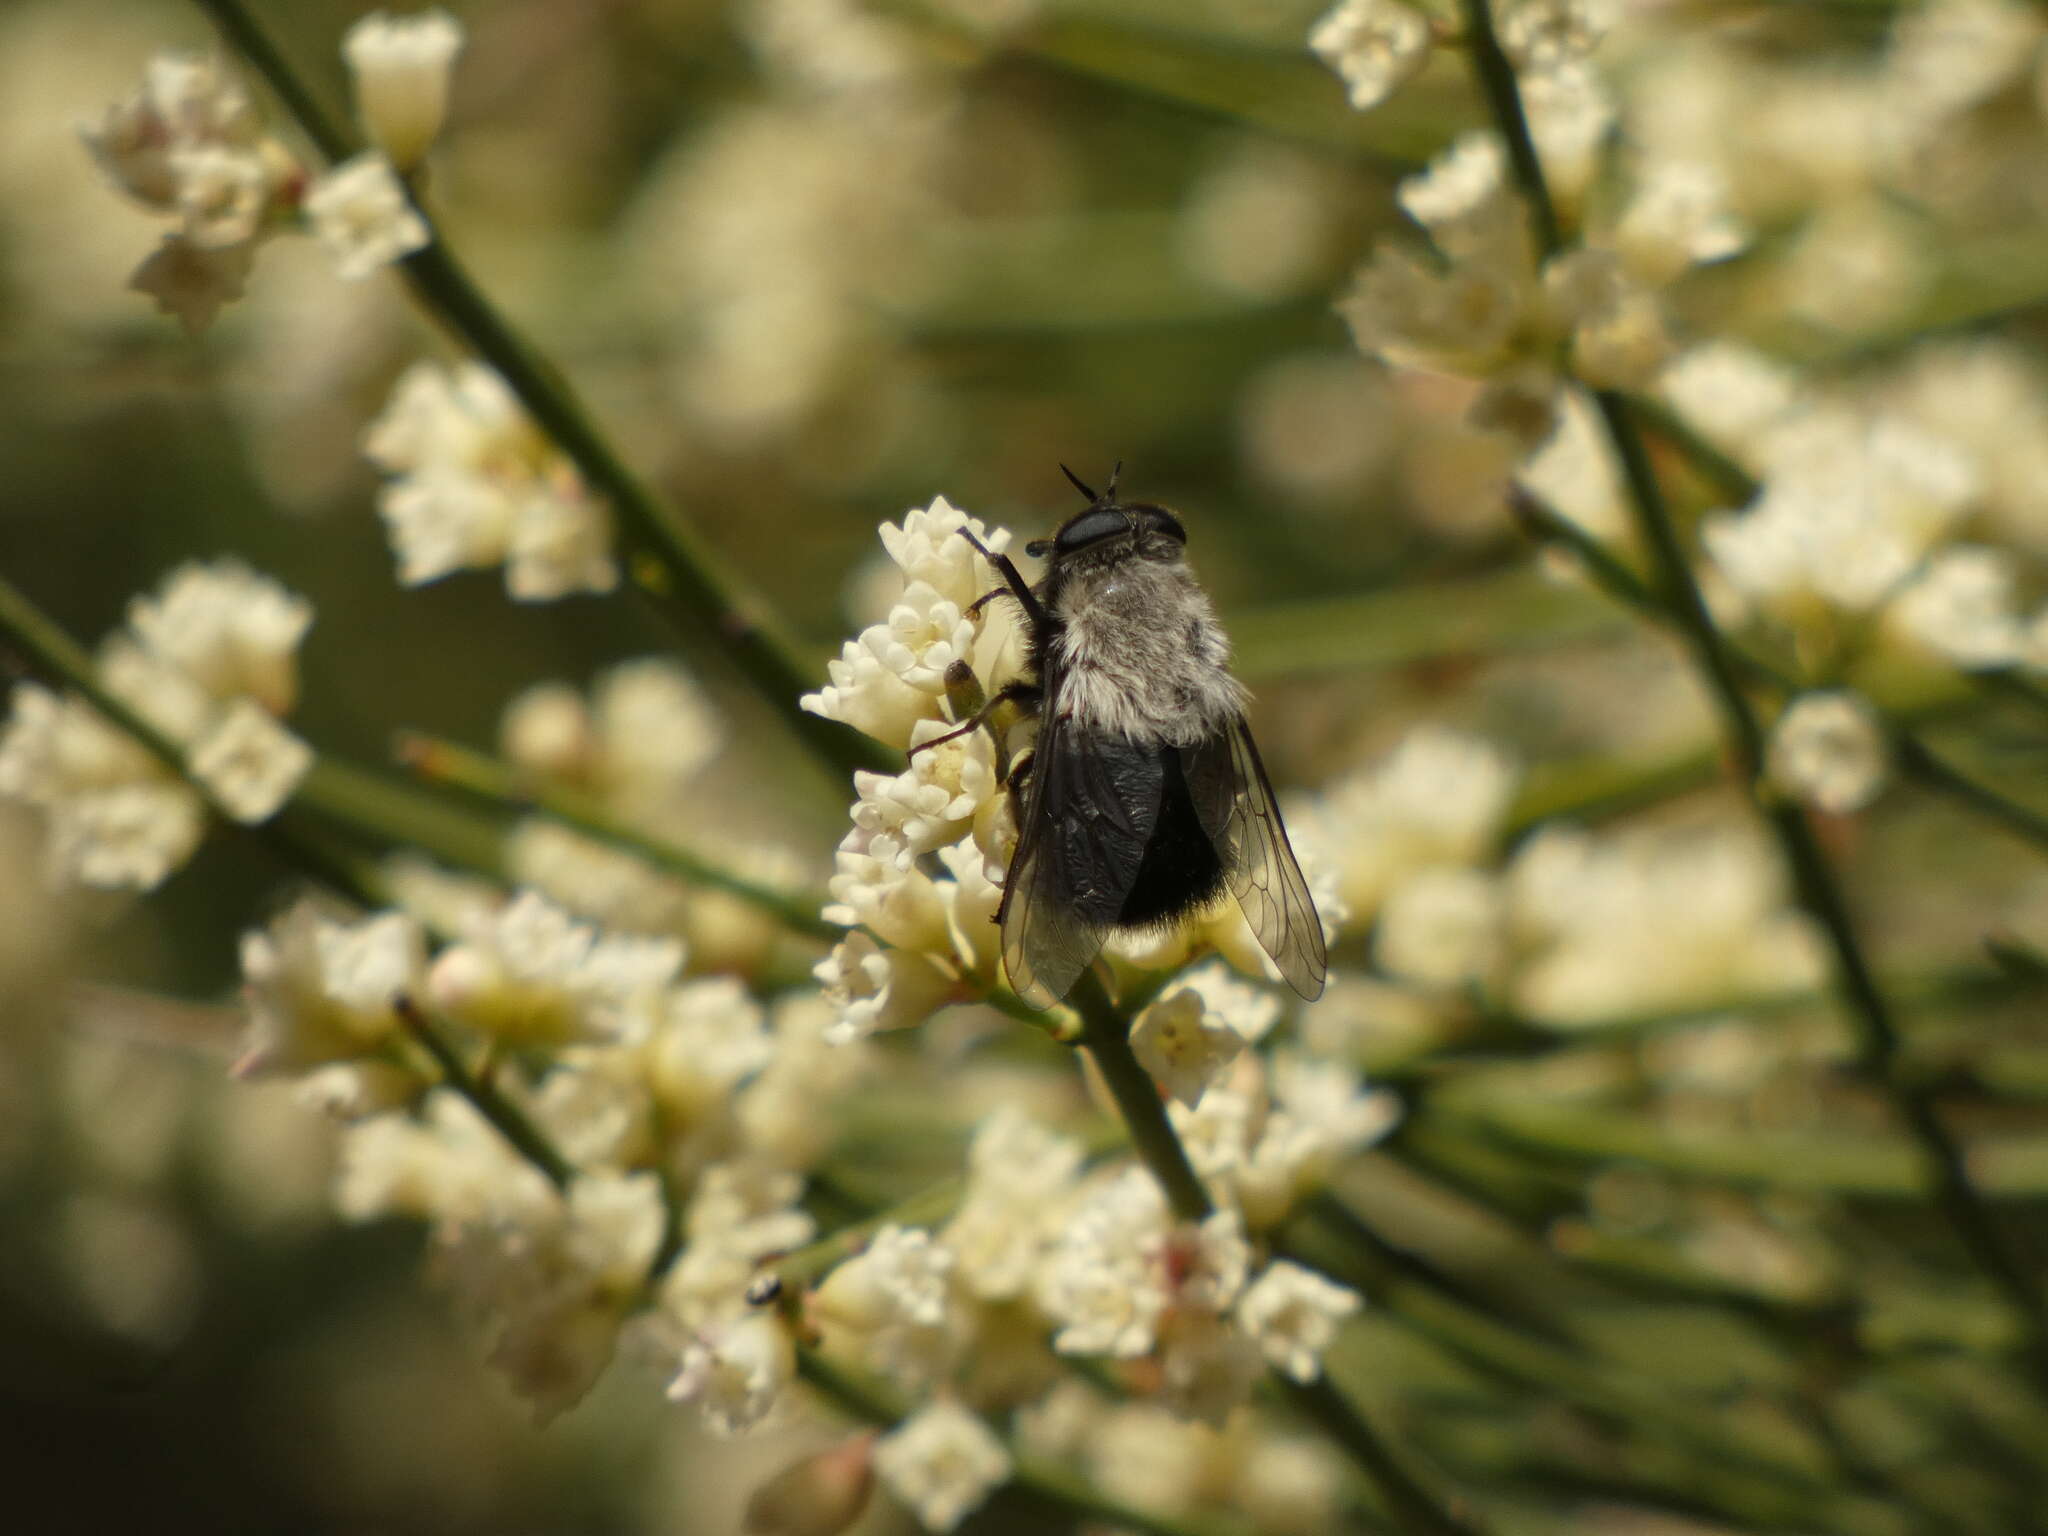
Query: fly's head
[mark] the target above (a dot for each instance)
(1107, 532)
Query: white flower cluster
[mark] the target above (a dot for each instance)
(1038, 1254)
(209, 662)
(674, 1102)
(189, 143)
(475, 484)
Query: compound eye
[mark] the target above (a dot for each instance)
(1159, 520)
(1091, 527)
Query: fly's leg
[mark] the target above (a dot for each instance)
(1018, 777)
(1016, 691)
(1013, 579)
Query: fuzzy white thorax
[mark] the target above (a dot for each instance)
(1142, 655)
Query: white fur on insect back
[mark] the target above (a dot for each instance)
(1142, 655)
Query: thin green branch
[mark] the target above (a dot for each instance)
(1813, 879)
(507, 1118)
(1106, 1032)
(679, 570)
(503, 786)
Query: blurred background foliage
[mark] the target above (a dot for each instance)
(1114, 233)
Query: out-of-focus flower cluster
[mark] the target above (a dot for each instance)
(189, 143)
(209, 663)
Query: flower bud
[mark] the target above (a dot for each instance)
(819, 1495)
(401, 67)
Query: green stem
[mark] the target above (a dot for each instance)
(682, 572)
(1813, 879)
(507, 1118)
(1106, 1033)
(55, 655)
(503, 786)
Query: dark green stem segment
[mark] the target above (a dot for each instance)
(1106, 1032)
(1818, 891)
(503, 786)
(507, 1118)
(682, 573)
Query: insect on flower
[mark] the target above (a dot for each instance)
(1143, 798)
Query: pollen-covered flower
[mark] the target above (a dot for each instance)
(401, 67)
(1829, 749)
(935, 800)
(1294, 1313)
(943, 1462)
(360, 212)
(1375, 46)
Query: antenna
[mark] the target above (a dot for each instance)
(1081, 486)
(1114, 475)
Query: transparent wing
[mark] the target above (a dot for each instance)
(1234, 802)
(1084, 836)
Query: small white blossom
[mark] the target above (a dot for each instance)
(184, 102)
(900, 1277)
(232, 629)
(1962, 608)
(735, 1371)
(1294, 1313)
(192, 282)
(1375, 46)
(1183, 1046)
(250, 763)
(943, 1462)
(1102, 1284)
(360, 212)
(1730, 394)
(1540, 34)
(876, 989)
(928, 548)
(401, 67)
(530, 973)
(872, 888)
(477, 484)
(934, 801)
(1829, 749)
(319, 989)
(1019, 1176)
(1679, 217)
(116, 816)
(1248, 1009)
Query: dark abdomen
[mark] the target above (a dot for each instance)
(1180, 871)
